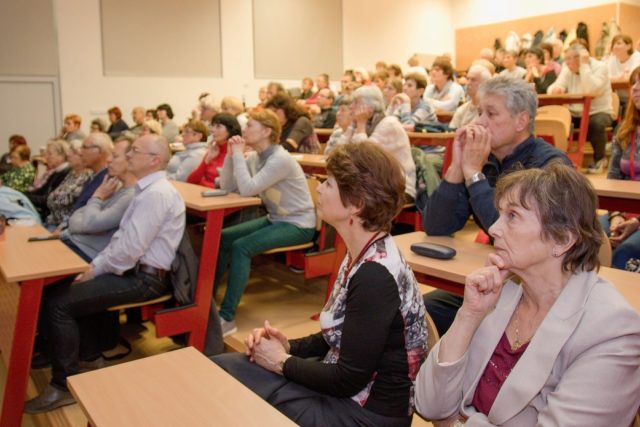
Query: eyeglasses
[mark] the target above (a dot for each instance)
(135, 150)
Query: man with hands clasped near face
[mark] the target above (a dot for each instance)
(499, 141)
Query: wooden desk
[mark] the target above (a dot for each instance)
(179, 388)
(312, 163)
(624, 85)
(450, 274)
(617, 194)
(574, 98)
(26, 268)
(193, 318)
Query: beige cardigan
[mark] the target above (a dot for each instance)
(582, 367)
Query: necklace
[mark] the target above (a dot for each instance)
(352, 262)
(517, 343)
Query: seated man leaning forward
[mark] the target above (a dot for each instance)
(132, 268)
(194, 138)
(499, 141)
(360, 369)
(540, 339)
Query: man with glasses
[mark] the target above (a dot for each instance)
(132, 268)
(95, 150)
(194, 138)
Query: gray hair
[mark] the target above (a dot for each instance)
(575, 48)
(75, 145)
(519, 96)
(102, 141)
(60, 145)
(485, 74)
(370, 95)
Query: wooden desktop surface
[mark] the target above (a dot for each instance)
(569, 98)
(622, 189)
(312, 160)
(179, 388)
(471, 255)
(191, 194)
(23, 260)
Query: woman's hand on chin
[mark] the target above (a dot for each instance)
(482, 287)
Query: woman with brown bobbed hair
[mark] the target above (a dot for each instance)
(21, 176)
(624, 229)
(117, 125)
(540, 339)
(622, 60)
(297, 130)
(360, 368)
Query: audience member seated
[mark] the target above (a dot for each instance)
(443, 93)
(361, 76)
(224, 126)
(583, 74)
(498, 142)
(5, 161)
(539, 336)
(21, 176)
(97, 125)
(326, 118)
(71, 128)
(346, 79)
(511, 68)
(151, 126)
(380, 79)
(95, 150)
(273, 88)
(133, 267)
(169, 128)
(297, 130)
(322, 82)
(343, 120)
(232, 105)
(623, 229)
(194, 138)
(61, 200)
(468, 111)
(117, 125)
(151, 114)
(370, 123)
(208, 109)
(360, 368)
(621, 62)
(549, 61)
(306, 88)
(137, 115)
(92, 226)
(536, 74)
(415, 66)
(57, 169)
(410, 107)
(395, 72)
(381, 66)
(271, 173)
(392, 88)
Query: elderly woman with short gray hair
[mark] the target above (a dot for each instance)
(370, 123)
(57, 169)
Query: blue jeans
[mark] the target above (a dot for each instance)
(68, 308)
(240, 243)
(629, 248)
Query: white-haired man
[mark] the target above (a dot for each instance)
(468, 111)
(132, 268)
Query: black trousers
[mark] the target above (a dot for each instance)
(596, 133)
(442, 306)
(71, 310)
(302, 405)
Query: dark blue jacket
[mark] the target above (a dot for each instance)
(450, 205)
(89, 188)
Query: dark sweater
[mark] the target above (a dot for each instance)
(450, 205)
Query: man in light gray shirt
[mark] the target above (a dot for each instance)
(194, 138)
(132, 268)
(92, 226)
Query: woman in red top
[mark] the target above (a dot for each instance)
(223, 126)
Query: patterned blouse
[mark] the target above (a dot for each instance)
(19, 178)
(61, 200)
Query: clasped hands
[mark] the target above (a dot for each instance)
(471, 149)
(268, 347)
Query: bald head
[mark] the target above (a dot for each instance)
(138, 114)
(156, 144)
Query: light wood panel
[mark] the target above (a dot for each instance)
(629, 19)
(470, 40)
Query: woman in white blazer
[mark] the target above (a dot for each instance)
(540, 339)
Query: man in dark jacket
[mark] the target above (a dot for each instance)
(498, 142)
